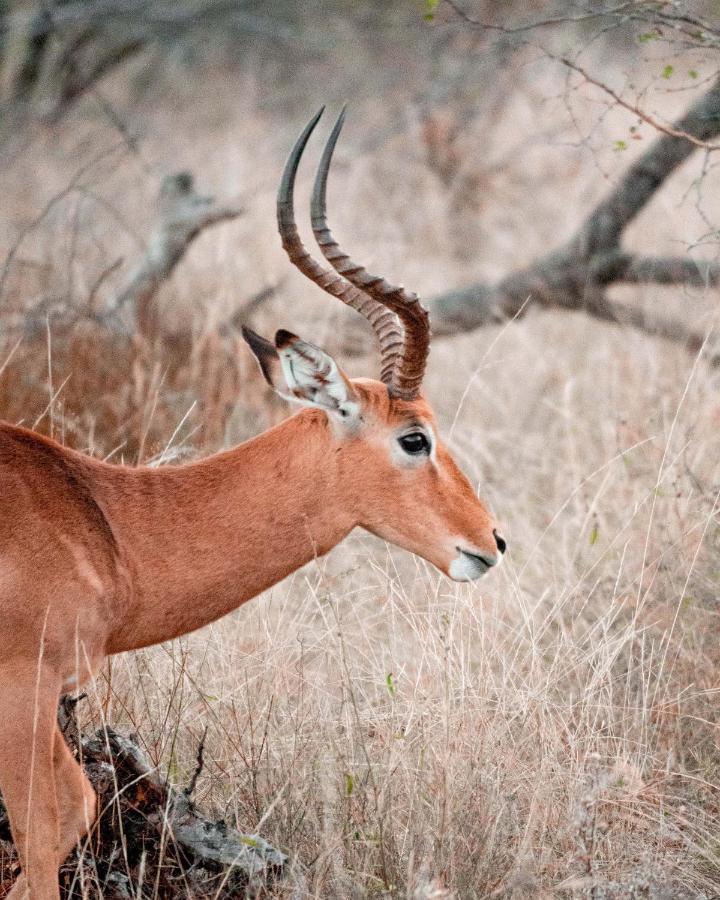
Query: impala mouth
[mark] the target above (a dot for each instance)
(487, 561)
(467, 566)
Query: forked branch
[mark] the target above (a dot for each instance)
(182, 215)
(576, 275)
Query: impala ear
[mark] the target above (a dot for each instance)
(267, 357)
(301, 372)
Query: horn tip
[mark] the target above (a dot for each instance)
(340, 121)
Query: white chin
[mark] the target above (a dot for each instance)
(467, 568)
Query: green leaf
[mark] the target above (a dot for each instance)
(693, 73)
(667, 71)
(430, 9)
(594, 534)
(390, 684)
(648, 36)
(349, 783)
(620, 145)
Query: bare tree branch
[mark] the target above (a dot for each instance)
(182, 215)
(576, 275)
(604, 226)
(72, 185)
(52, 52)
(633, 269)
(244, 314)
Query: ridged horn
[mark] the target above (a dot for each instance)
(409, 365)
(384, 322)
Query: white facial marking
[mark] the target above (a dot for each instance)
(466, 567)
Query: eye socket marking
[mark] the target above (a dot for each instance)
(415, 443)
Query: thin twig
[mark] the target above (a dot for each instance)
(52, 202)
(199, 765)
(101, 279)
(641, 114)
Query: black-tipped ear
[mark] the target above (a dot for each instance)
(284, 339)
(301, 372)
(265, 353)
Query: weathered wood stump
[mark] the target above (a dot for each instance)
(150, 839)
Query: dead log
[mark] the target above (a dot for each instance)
(577, 275)
(149, 833)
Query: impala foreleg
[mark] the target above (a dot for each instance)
(77, 801)
(28, 706)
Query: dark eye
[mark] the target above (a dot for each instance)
(415, 442)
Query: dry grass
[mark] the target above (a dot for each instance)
(551, 731)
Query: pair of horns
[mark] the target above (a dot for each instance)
(399, 321)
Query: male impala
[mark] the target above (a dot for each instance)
(96, 559)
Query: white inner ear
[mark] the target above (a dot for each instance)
(314, 379)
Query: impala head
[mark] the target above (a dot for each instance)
(402, 480)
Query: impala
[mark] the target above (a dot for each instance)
(96, 559)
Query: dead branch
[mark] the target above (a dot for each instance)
(148, 829)
(576, 275)
(182, 215)
(73, 185)
(52, 52)
(199, 765)
(245, 313)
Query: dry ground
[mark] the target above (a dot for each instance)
(550, 731)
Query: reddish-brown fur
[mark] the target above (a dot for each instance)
(96, 559)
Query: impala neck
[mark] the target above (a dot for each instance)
(202, 539)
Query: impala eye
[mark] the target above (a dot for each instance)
(414, 443)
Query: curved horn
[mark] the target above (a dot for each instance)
(382, 319)
(409, 369)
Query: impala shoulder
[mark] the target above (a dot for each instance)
(56, 481)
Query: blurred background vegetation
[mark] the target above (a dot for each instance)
(479, 137)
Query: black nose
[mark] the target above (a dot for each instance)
(501, 543)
